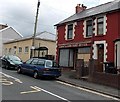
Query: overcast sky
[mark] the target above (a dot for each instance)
(20, 14)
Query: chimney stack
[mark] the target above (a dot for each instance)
(80, 8)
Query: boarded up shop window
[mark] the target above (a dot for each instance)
(84, 53)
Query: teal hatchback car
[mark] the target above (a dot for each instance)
(39, 67)
(10, 61)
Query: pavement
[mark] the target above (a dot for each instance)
(69, 77)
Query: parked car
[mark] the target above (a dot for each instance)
(10, 61)
(39, 67)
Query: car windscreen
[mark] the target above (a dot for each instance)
(14, 58)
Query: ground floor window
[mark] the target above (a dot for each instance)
(84, 53)
(66, 57)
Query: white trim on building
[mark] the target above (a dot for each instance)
(95, 50)
(117, 55)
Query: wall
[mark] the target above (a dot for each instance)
(7, 35)
(51, 45)
(108, 79)
(112, 34)
(10, 34)
(25, 56)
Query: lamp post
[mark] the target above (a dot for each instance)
(35, 28)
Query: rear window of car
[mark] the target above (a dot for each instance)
(49, 64)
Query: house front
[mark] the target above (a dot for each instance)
(89, 34)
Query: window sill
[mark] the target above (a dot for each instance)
(88, 37)
(25, 52)
(101, 35)
(69, 39)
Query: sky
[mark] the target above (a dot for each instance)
(20, 14)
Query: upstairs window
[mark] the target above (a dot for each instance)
(100, 24)
(70, 31)
(89, 28)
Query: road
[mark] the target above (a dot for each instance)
(23, 87)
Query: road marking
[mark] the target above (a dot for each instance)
(16, 79)
(6, 82)
(33, 91)
(52, 94)
(80, 88)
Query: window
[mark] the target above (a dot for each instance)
(14, 58)
(66, 57)
(5, 50)
(10, 50)
(84, 50)
(48, 63)
(84, 53)
(29, 61)
(34, 62)
(41, 63)
(26, 49)
(89, 28)
(20, 49)
(70, 31)
(100, 23)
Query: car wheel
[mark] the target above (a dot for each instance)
(35, 75)
(19, 70)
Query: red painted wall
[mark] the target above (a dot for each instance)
(112, 34)
(113, 31)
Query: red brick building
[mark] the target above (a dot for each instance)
(89, 33)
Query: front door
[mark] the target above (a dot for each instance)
(100, 57)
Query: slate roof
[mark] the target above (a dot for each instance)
(12, 29)
(46, 36)
(104, 8)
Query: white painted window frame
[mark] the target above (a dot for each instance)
(66, 30)
(95, 26)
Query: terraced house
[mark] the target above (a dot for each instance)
(90, 33)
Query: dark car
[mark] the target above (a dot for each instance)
(39, 67)
(10, 61)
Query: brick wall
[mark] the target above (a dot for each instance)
(108, 79)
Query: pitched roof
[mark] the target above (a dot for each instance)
(104, 8)
(11, 28)
(46, 36)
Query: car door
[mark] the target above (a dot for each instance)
(4, 61)
(33, 66)
(26, 66)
